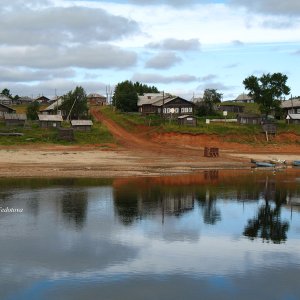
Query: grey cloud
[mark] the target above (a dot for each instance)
(174, 3)
(208, 77)
(231, 66)
(278, 24)
(163, 60)
(237, 43)
(175, 44)
(157, 78)
(97, 56)
(27, 75)
(58, 25)
(287, 7)
(50, 87)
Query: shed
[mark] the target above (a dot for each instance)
(4, 109)
(47, 121)
(82, 125)
(293, 119)
(188, 120)
(249, 119)
(15, 119)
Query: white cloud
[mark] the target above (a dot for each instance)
(176, 44)
(157, 78)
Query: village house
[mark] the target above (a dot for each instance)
(187, 120)
(291, 106)
(42, 99)
(4, 109)
(82, 125)
(23, 100)
(231, 107)
(50, 121)
(253, 119)
(243, 98)
(5, 100)
(164, 104)
(96, 99)
(54, 108)
(15, 119)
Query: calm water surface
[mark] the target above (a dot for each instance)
(214, 235)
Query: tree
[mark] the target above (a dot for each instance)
(267, 90)
(33, 110)
(74, 104)
(126, 94)
(125, 97)
(210, 98)
(7, 93)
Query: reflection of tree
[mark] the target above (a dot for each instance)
(211, 214)
(74, 207)
(268, 225)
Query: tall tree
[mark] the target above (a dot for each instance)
(74, 104)
(267, 90)
(126, 93)
(7, 93)
(33, 110)
(211, 97)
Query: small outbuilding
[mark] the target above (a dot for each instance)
(293, 119)
(187, 120)
(4, 109)
(82, 125)
(15, 119)
(253, 119)
(50, 121)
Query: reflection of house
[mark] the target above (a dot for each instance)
(244, 98)
(54, 108)
(82, 125)
(291, 106)
(5, 110)
(47, 121)
(249, 118)
(165, 104)
(178, 205)
(15, 119)
(96, 99)
(5, 100)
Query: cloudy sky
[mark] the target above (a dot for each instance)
(180, 46)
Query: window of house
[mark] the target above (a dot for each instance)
(176, 110)
(190, 109)
(165, 110)
(168, 110)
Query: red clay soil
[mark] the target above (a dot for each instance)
(147, 139)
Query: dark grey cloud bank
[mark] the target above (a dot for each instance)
(287, 7)
(59, 25)
(93, 57)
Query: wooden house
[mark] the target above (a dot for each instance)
(243, 98)
(293, 119)
(4, 109)
(96, 99)
(23, 100)
(231, 107)
(253, 119)
(42, 99)
(82, 125)
(291, 106)
(15, 119)
(187, 120)
(50, 121)
(54, 108)
(165, 105)
(5, 100)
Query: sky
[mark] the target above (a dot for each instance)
(48, 47)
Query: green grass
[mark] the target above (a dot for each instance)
(34, 134)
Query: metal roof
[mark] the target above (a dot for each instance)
(3, 105)
(295, 116)
(4, 97)
(290, 103)
(81, 122)
(150, 98)
(243, 97)
(54, 118)
(95, 95)
(15, 117)
(54, 105)
(185, 116)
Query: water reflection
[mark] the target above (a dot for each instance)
(216, 233)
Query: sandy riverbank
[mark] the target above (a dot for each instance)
(59, 161)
